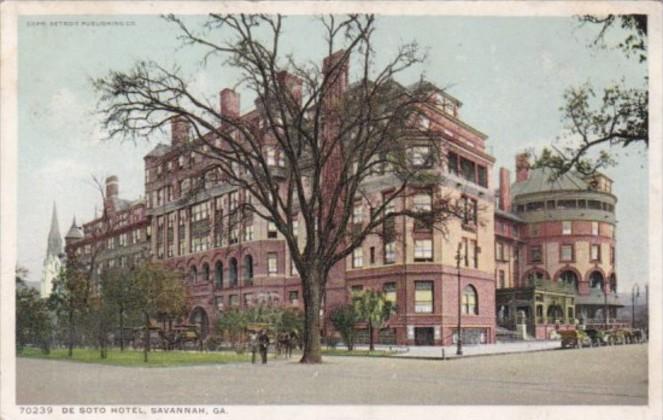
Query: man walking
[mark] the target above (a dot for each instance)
(263, 341)
(253, 342)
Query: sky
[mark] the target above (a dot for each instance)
(509, 72)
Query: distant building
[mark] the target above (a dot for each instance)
(555, 250)
(54, 255)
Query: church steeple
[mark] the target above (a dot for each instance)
(54, 238)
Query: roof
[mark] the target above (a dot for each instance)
(159, 150)
(507, 215)
(54, 238)
(75, 232)
(541, 180)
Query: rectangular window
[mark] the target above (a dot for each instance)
(271, 156)
(423, 204)
(468, 169)
(248, 299)
(355, 291)
(502, 281)
(357, 257)
(389, 290)
(535, 205)
(499, 251)
(272, 264)
(566, 204)
(423, 297)
(566, 228)
(421, 157)
(550, 204)
(372, 254)
(423, 250)
(248, 233)
(390, 252)
(612, 254)
(483, 176)
(469, 211)
(596, 252)
(358, 214)
(566, 253)
(582, 204)
(271, 230)
(475, 253)
(293, 297)
(535, 254)
(595, 228)
(453, 163)
(593, 204)
(233, 300)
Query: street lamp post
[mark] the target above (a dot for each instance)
(459, 340)
(635, 293)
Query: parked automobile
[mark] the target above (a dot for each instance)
(575, 339)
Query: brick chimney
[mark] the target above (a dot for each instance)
(339, 77)
(112, 188)
(505, 189)
(229, 100)
(522, 167)
(179, 130)
(292, 83)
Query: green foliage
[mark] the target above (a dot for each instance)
(234, 322)
(134, 358)
(158, 291)
(344, 318)
(69, 301)
(614, 116)
(33, 325)
(373, 307)
(119, 290)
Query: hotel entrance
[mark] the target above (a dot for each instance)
(423, 336)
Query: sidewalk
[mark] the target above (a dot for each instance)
(449, 352)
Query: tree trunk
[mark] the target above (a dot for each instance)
(371, 344)
(70, 345)
(146, 344)
(121, 330)
(311, 288)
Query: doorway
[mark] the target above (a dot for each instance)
(423, 336)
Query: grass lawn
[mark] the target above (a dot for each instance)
(358, 353)
(135, 357)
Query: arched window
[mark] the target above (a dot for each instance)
(470, 301)
(232, 272)
(248, 268)
(199, 317)
(613, 283)
(555, 313)
(569, 277)
(193, 274)
(206, 272)
(218, 275)
(596, 280)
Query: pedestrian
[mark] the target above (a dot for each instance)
(263, 342)
(253, 342)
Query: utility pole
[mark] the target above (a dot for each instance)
(635, 293)
(459, 340)
(605, 304)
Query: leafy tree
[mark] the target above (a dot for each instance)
(232, 324)
(33, 325)
(69, 300)
(160, 294)
(375, 309)
(120, 292)
(344, 318)
(329, 140)
(613, 116)
(99, 324)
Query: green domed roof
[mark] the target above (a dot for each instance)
(541, 180)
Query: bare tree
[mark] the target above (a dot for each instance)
(613, 116)
(331, 136)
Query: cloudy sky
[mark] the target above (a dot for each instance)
(510, 74)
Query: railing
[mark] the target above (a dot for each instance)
(554, 286)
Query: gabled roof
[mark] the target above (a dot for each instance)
(159, 150)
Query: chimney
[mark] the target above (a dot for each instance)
(229, 103)
(112, 187)
(179, 130)
(292, 84)
(522, 167)
(505, 189)
(339, 79)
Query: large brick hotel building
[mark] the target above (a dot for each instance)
(519, 247)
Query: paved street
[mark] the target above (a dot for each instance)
(606, 375)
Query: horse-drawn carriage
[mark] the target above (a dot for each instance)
(181, 336)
